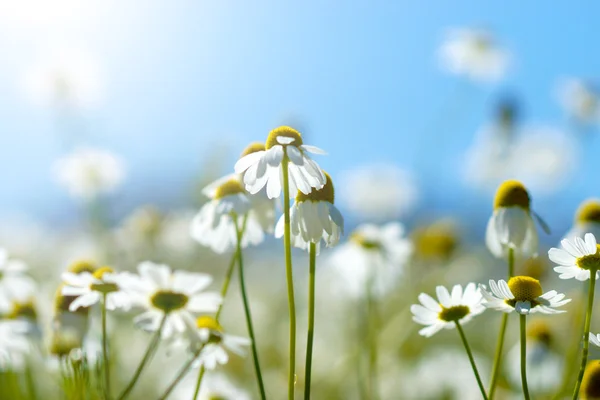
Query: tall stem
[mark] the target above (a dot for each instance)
(523, 323)
(504, 323)
(471, 359)
(199, 382)
(311, 318)
(105, 350)
(287, 243)
(182, 372)
(372, 331)
(240, 258)
(586, 332)
(147, 356)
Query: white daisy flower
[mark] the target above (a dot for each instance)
(177, 294)
(474, 54)
(522, 294)
(15, 285)
(511, 225)
(264, 168)
(581, 101)
(313, 218)
(88, 173)
(91, 288)
(577, 259)
(13, 342)
(451, 308)
(587, 220)
(27, 312)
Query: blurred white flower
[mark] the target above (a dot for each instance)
(15, 284)
(214, 386)
(378, 192)
(474, 54)
(88, 173)
(13, 343)
(587, 220)
(581, 101)
(90, 288)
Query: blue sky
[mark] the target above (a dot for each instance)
(360, 78)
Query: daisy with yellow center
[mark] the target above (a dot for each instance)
(590, 388)
(578, 258)
(284, 151)
(15, 284)
(587, 220)
(89, 289)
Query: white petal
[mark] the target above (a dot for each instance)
(294, 155)
(245, 162)
(443, 296)
(313, 149)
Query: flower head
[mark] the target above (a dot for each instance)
(522, 294)
(578, 258)
(581, 101)
(587, 219)
(13, 342)
(590, 386)
(15, 284)
(90, 289)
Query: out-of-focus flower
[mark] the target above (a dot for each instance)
(450, 308)
(581, 101)
(437, 241)
(214, 386)
(264, 168)
(578, 258)
(13, 342)
(162, 292)
(511, 224)
(475, 54)
(378, 192)
(91, 288)
(375, 254)
(313, 218)
(522, 294)
(587, 220)
(26, 312)
(590, 385)
(15, 284)
(88, 173)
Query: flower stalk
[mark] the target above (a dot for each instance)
(471, 359)
(523, 323)
(311, 318)
(586, 332)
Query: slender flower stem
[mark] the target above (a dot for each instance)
(105, 350)
(287, 243)
(147, 356)
(500, 343)
(247, 312)
(311, 318)
(31, 391)
(586, 332)
(372, 331)
(182, 372)
(471, 359)
(523, 323)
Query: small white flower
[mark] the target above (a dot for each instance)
(587, 220)
(88, 173)
(577, 259)
(457, 306)
(15, 285)
(581, 101)
(474, 54)
(13, 342)
(522, 294)
(264, 168)
(90, 289)
(161, 291)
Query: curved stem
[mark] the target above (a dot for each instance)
(311, 318)
(247, 312)
(149, 352)
(182, 372)
(586, 333)
(105, 350)
(287, 243)
(504, 323)
(523, 323)
(471, 359)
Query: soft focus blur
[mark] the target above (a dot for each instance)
(115, 115)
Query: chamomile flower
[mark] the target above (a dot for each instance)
(15, 284)
(590, 386)
(26, 312)
(91, 288)
(474, 54)
(449, 309)
(13, 342)
(264, 168)
(172, 295)
(581, 101)
(578, 258)
(522, 294)
(313, 218)
(587, 220)
(511, 225)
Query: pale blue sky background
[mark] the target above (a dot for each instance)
(361, 78)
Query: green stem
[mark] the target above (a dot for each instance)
(586, 332)
(500, 343)
(311, 318)
(523, 320)
(30, 381)
(372, 331)
(182, 372)
(105, 350)
(287, 243)
(247, 312)
(199, 382)
(147, 356)
(471, 359)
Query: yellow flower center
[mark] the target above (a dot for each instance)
(99, 273)
(23, 310)
(364, 242)
(588, 211)
(453, 313)
(512, 193)
(214, 328)
(540, 331)
(438, 240)
(326, 193)
(283, 131)
(525, 288)
(535, 267)
(83, 266)
(253, 148)
(168, 301)
(591, 262)
(231, 187)
(104, 287)
(590, 386)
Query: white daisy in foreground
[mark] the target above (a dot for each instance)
(581, 101)
(578, 258)
(13, 342)
(173, 296)
(451, 308)
(264, 168)
(15, 285)
(313, 218)
(474, 54)
(88, 173)
(587, 220)
(511, 225)
(522, 294)
(91, 288)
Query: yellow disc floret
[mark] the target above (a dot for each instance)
(229, 188)
(25, 310)
(326, 193)
(83, 266)
(591, 262)
(525, 288)
(253, 148)
(168, 301)
(436, 241)
(364, 242)
(99, 273)
(453, 313)
(540, 331)
(283, 131)
(535, 267)
(208, 323)
(512, 193)
(590, 386)
(588, 211)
